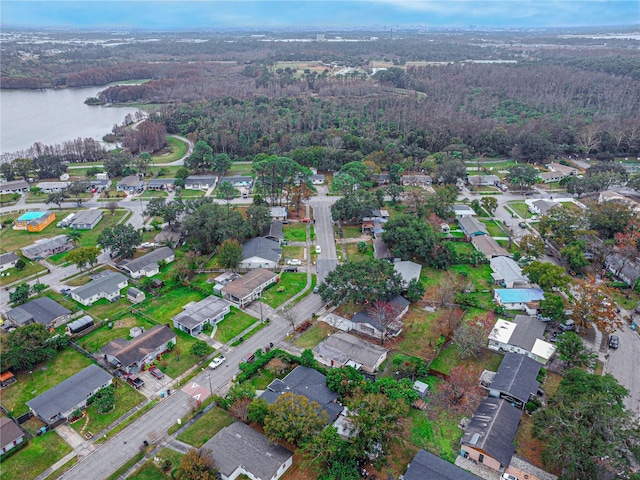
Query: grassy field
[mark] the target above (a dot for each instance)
(419, 335)
(440, 436)
(295, 232)
(188, 193)
(169, 303)
(147, 194)
(262, 381)
(152, 470)
(206, 427)
(45, 376)
(314, 335)
(121, 327)
(354, 255)
(35, 458)
(13, 274)
(233, 325)
(176, 150)
(493, 228)
(237, 168)
(7, 199)
(127, 397)
(287, 287)
(289, 252)
(351, 232)
(520, 208)
(180, 359)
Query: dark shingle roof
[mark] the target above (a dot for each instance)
(134, 350)
(493, 429)
(517, 376)
(42, 310)
(470, 225)
(148, 259)
(263, 248)
(9, 431)
(45, 244)
(106, 284)
(342, 347)
(528, 330)
(308, 382)
(240, 445)
(426, 466)
(69, 393)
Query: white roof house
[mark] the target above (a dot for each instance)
(524, 335)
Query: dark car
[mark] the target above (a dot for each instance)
(614, 341)
(156, 372)
(290, 269)
(522, 225)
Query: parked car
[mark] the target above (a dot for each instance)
(316, 289)
(318, 249)
(290, 269)
(66, 291)
(216, 362)
(508, 476)
(614, 341)
(294, 261)
(522, 225)
(568, 326)
(156, 372)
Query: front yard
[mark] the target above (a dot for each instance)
(35, 458)
(234, 323)
(295, 232)
(206, 427)
(314, 335)
(289, 284)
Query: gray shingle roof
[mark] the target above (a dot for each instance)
(508, 269)
(308, 382)
(408, 270)
(342, 347)
(489, 246)
(246, 284)
(9, 431)
(527, 331)
(69, 393)
(240, 445)
(201, 179)
(108, 284)
(7, 258)
(86, 216)
(161, 181)
(426, 466)
(517, 376)
(45, 244)
(471, 226)
(42, 310)
(134, 350)
(263, 248)
(493, 429)
(148, 259)
(197, 313)
(393, 327)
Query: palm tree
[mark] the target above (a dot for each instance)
(74, 236)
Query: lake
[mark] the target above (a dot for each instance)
(53, 116)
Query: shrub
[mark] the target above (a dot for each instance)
(20, 265)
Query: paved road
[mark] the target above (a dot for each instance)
(623, 365)
(328, 259)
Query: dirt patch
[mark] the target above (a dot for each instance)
(125, 323)
(528, 447)
(299, 470)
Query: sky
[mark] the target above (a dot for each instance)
(267, 14)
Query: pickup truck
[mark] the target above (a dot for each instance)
(216, 362)
(135, 381)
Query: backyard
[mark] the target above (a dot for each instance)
(295, 232)
(153, 470)
(287, 287)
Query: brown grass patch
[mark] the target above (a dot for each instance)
(551, 383)
(528, 447)
(299, 470)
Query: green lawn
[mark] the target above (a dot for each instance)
(152, 470)
(127, 397)
(295, 232)
(169, 303)
(177, 150)
(493, 228)
(520, 208)
(234, 323)
(354, 255)
(147, 194)
(181, 359)
(45, 376)
(292, 252)
(206, 427)
(351, 232)
(419, 335)
(440, 436)
(103, 309)
(7, 199)
(188, 193)
(35, 458)
(447, 359)
(314, 335)
(262, 381)
(240, 169)
(462, 248)
(287, 287)
(120, 329)
(13, 274)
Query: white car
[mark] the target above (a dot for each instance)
(217, 362)
(508, 476)
(318, 249)
(294, 261)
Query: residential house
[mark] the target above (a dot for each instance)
(483, 180)
(541, 207)
(222, 279)
(515, 381)
(11, 435)
(240, 450)
(196, 315)
(8, 260)
(130, 184)
(317, 179)
(132, 355)
(524, 335)
(564, 169)
(161, 184)
(34, 221)
(489, 247)
(507, 272)
(239, 181)
(99, 185)
(364, 323)
(551, 177)
(52, 187)
(86, 219)
(200, 182)
(260, 252)
(427, 466)
(423, 181)
(380, 213)
(309, 383)
(341, 349)
(135, 296)
(45, 247)
(489, 438)
(59, 402)
(278, 213)
(384, 179)
(274, 232)
(249, 287)
(380, 249)
(611, 196)
(461, 210)
(526, 299)
(15, 186)
(148, 264)
(41, 310)
(626, 269)
(408, 270)
(105, 286)
(472, 227)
